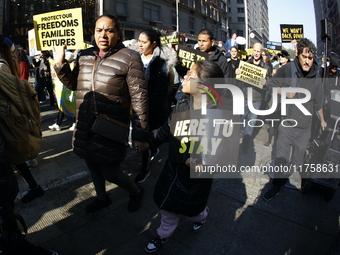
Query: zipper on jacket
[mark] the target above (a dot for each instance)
(172, 184)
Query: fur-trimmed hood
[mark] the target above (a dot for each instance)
(164, 52)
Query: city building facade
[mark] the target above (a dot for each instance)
(16, 17)
(327, 10)
(249, 18)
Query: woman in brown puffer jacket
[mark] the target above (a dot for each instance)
(117, 75)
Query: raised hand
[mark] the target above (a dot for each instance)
(59, 55)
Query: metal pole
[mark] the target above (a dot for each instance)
(177, 17)
(101, 7)
(246, 24)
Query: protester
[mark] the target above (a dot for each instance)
(233, 63)
(257, 100)
(175, 192)
(108, 78)
(43, 77)
(230, 43)
(206, 43)
(296, 137)
(273, 127)
(267, 61)
(23, 64)
(12, 241)
(284, 58)
(158, 62)
(331, 74)
(7, 65)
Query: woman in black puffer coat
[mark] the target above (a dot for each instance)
(175, 192)
(158, 62)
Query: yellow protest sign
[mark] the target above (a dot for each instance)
(189, 56)
(169, 39)
(251, 74)
(59, 28)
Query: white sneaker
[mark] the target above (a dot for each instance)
(72, 127)
(55, 127)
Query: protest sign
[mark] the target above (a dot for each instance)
(189, 56)
(291, 32)
(32, 43)
(66, 99)
(171, 38)
(212, 139)
(55, 29)
(251, 74)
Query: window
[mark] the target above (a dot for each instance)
(240, 1)
(224, 36)
(223, 6)
(121, 7)
(229, 9)
(191, 23)
(240, 19)
(214, 13)
(204, 25)
(224, 22)
(191, 4)
(239, 32)
(240, 10)
(173, 18)
(204, 8)
(152, 12)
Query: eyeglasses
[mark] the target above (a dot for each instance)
(188, 76)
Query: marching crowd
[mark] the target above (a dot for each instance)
(139, 85)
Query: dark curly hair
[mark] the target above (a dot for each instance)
(305, 43)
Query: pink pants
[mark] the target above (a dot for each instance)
(169, 222)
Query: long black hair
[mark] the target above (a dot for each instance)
(153, 36)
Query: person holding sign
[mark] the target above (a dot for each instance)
(175, 192)
(158, 62)
(258, 96)
(108, 78)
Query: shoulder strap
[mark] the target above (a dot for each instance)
(94, 96)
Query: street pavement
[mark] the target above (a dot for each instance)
(239, 222)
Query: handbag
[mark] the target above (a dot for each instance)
(106, 126)
(110, 128)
